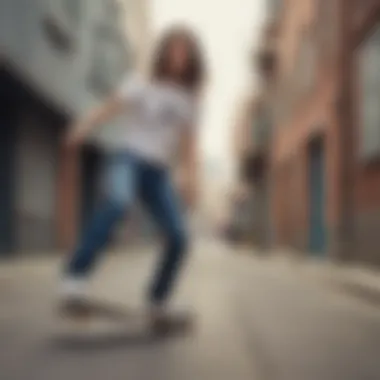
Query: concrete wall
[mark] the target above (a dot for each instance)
(59, 74)
(36, 181)
(63, 75)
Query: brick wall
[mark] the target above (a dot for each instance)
(367, 176)
(307, 116)
(316, 114)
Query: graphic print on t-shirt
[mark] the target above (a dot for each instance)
(159, 114)
(169, 116)
(161, 111)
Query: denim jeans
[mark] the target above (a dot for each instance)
(128, 177)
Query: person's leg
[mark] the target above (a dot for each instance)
(161, 200)
(120, 183)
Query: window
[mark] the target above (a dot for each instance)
(62, 18)
(369, 76)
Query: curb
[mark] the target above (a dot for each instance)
(359, 282)
(368, 291)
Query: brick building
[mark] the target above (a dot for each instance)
(325, 148)
(303, 117)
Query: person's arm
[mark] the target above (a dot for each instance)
(101, 114)
(129, 91)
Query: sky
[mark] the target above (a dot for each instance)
(229, 30)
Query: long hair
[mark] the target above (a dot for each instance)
(193, 75)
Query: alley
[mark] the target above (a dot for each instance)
(256, 320)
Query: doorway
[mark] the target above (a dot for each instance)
(8, 123)
(317, 197)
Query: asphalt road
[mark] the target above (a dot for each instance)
(255, 320)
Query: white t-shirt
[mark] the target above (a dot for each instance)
(156, 115)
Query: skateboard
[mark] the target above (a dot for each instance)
(83, 319)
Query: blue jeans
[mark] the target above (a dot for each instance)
(128, 177)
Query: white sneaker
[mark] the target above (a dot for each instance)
(72, 298)
(74, 288)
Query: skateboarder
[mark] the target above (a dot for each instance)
(160, 115)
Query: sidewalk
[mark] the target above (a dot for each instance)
(359, 281)
(353, 279)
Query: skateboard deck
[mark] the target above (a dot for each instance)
(97, 319)
(89, 308)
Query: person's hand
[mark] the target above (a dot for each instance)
(74, 137)
(78, 132)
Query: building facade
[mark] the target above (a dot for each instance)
(58, 58)
(363, 49)
(303, 124)
(254, 138)
(326, 138)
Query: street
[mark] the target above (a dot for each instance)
(256, 320)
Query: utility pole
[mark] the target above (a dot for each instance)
(346, 198)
